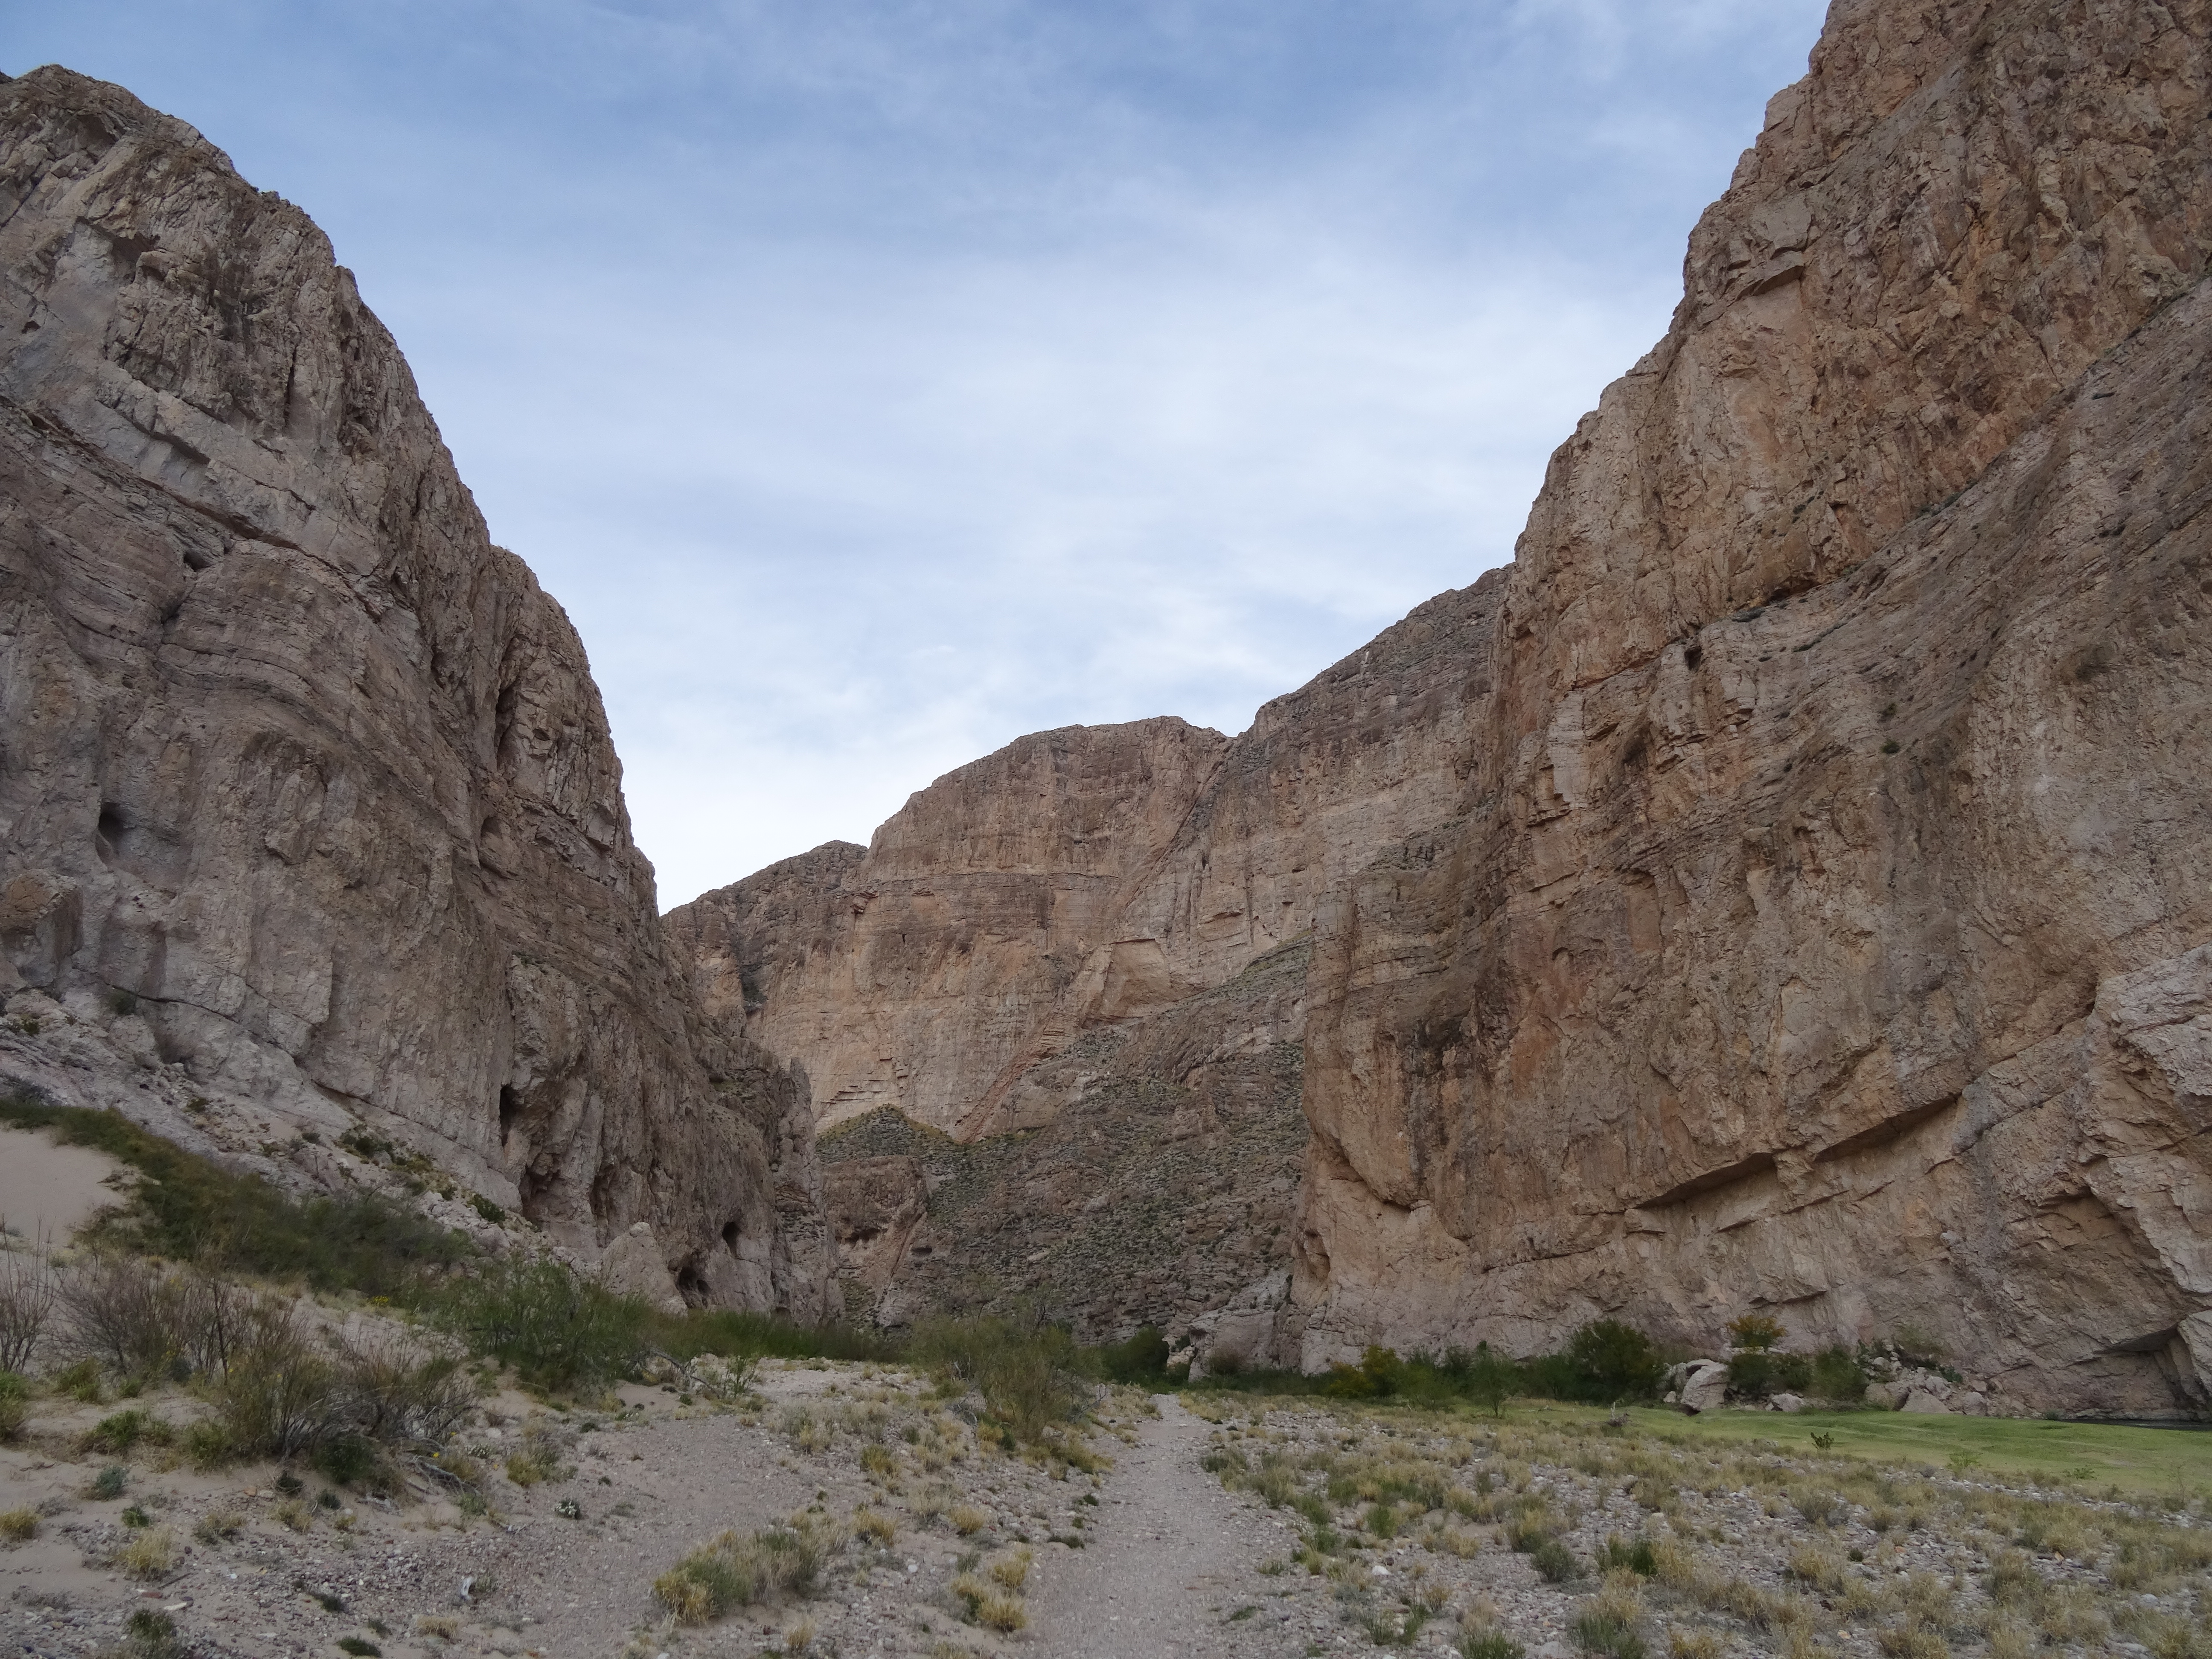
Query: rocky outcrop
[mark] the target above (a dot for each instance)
(1082, 878)
(1820, 930)
(1781, 887)
(1085, 955)
(312, 822)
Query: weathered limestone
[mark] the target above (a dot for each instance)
(309, 808)
(1821, 929)
(1782, 888)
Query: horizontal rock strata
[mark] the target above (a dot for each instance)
(310, 815)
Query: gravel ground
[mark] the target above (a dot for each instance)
(1223, 1528)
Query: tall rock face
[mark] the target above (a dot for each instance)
(308, 803)
(1782, 888)
(1823, 927)
(1093, 942)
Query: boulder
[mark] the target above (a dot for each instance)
(1926, 1404)
(1705, 1386)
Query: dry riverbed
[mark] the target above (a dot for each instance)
(1212, 1525)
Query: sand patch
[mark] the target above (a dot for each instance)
(48, 1191)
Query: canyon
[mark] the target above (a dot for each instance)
(315, 844)
(1780, 888)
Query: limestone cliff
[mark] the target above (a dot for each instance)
(1784, 885)
(311, 822)
(1093, 942)
(1823, 925)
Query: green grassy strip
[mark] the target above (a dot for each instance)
(187, 1208)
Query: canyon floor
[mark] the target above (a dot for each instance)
(1210, 1525)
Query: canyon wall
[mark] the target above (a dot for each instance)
(1782, 887)
(1823, 927)
(312, 829)
(1093, 943)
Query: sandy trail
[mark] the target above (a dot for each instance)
(1172, 1560)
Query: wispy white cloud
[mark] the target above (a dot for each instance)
(877, 382)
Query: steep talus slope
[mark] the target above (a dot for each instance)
(1064, 941)
(1823, 927)
(310, 813)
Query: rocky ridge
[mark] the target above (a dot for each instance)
(312, 826)
(1092, 946)
(1775, 888)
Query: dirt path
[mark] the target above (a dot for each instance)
(1172, 1566)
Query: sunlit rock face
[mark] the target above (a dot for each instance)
(310, 812)
(1782, 887)
(1823, 927)
(1094, 941)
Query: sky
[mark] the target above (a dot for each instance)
(877, 381)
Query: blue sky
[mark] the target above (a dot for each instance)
(876, 382)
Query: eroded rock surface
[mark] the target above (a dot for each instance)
(310, 818)
(1782, 886)
(1823, 925)
(1087, 951)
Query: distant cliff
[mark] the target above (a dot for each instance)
(1781, 887)
(312, 827)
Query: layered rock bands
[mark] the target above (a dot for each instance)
(311, 822)
(1783, 886)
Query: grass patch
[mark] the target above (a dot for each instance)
(186, 1208)
(734, 1572)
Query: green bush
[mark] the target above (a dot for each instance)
(1377, 1376)
(1487, 1643)
(559, 1332)
(1140, 1358)
(1554, 1562)
(1755, 1332)
(1610, 1361)
(15, 1405)
(187, 1209)
(1635, 1556)
(1030, 1377)
(1837, 1375)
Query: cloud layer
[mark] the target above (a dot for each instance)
(875, 382)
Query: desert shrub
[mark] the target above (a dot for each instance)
(1487, 1642)
(1030, 1377)
(148, 1634)
(1634, 1556)
(277, 1396)
(117, 1434)
(130, 1314)
(1140, 1358)
(1819, 1505)
(559, 1332)
(968, 1520)
(15, 1405)
(26, 1303)
(1836, 1374)
(1554, 1562)
(392, 1390)
(18, 1525)
(109, 1484)
(735, 1572)
(186, 1208)
(151, 1554)
(1608, 1626)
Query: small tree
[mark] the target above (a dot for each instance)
(1755, 1333)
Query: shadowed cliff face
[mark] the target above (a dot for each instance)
(297, 759)
(1823, 927)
